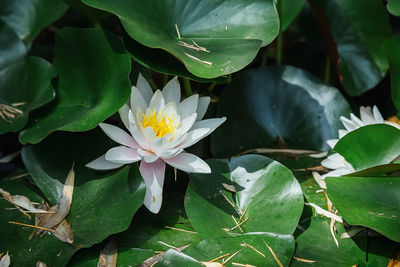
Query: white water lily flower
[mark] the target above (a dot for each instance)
(160, 128)
(336, 162)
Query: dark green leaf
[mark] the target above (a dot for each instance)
(15, 238)
(93, 83)
(266, 190)
(173, 258)
(156, 59)
(26, 84)
(393, 6)
(233, 31)
(373, 202)
(379, 170)
(11, 47)
(104, 201)
(359, 29)
(29, 18)
(370, 145)
(281, 245)
(277, 101)
(317, 244)
(290, 9)
(393, 52)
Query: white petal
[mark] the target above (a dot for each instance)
(124, 115)
(147, 156)
(144, 88)
(153, 176)
(137, 100)
(377, 115)
(172, 91)
(188, 106)
(212, 124)
(138, 136)
(366, 115)
(189, 163)
(332, 142)
(336, 173)
(169, 153)
(122, 154)
(348, 124)
(194, 136)
(202, 107)
(102, 164)
(391, 123)
(356, 120)
(149, 134)
(186, 124)
(157, 102)
(342, 132)
(118, 135)
(334, 161)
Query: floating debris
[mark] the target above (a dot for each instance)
(199, 60)
(9, 112)
(108, 255)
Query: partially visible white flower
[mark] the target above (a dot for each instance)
(336, 162)
(160, 128)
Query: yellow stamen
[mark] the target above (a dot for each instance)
(161, 125)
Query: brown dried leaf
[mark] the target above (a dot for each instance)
(5, 260)
(108, 255)
(21, 202)
(63, 207)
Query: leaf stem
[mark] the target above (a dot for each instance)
(327, 69)
(279, 39)
(187, 87)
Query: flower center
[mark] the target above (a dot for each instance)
(160, 125)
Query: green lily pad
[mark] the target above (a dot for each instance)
(170, 227)
(11, 47)
(15, 238)
(25, 83)
(222, 27)
(393, 52)
(93, 83)
(281, 245)
(370, 145)
(379, 170)
(373, 202)
(290, 10)
(29, 18)
(173, 258)
(267, 193)
(96, 211)
(393, 6)
(359, 38)
(277, 101)
(155, 59)
(317, 244)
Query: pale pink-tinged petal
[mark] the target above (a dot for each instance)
(147, 156)
(157, 102)
(124, 115)
(144, 88)
(137, 100)
(172, 91)
(153, 176)
(202, 107)
(118, 135)
(102, 164)
(377, 115)
(188, 106)
(122, 154)
(189, 163)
